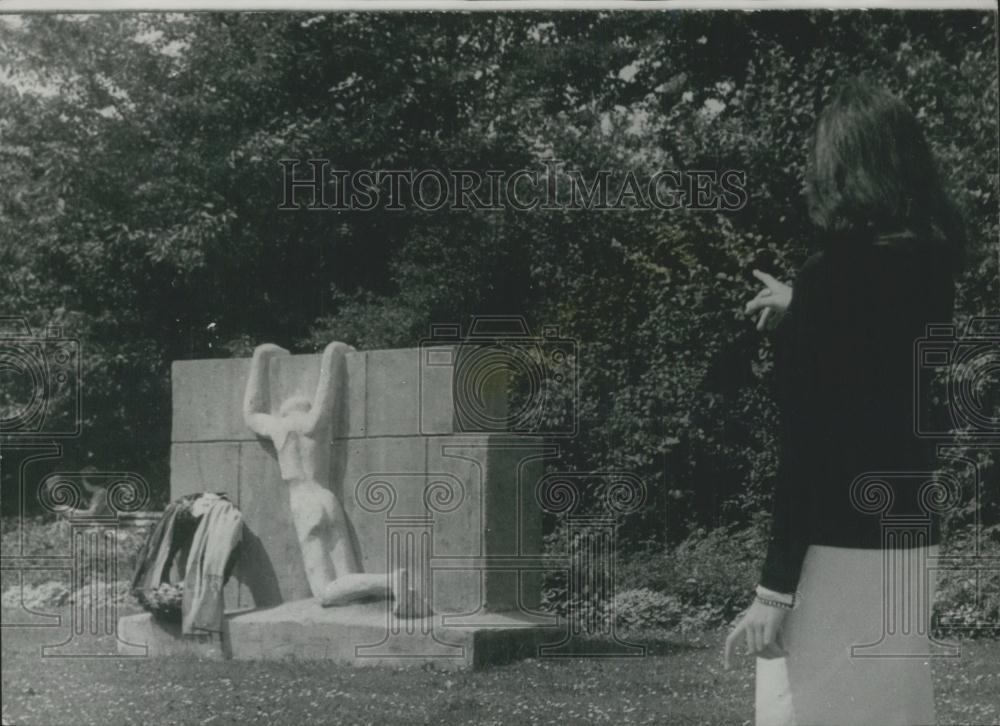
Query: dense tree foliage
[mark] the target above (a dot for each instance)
(139, 188)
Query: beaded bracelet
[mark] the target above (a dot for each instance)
(785, 597)
(774, 603)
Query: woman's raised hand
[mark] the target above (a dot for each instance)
(776, 296)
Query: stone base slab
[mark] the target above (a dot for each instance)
(359, 634)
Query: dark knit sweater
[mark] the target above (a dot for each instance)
(848, 390)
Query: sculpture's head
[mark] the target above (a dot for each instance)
(299, 404)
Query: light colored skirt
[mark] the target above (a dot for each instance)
(858, 643)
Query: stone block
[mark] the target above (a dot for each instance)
(382, 479)
(163, 640)
(414, 392)
(349, 420)
(393, 393)
(460, 532)
(208, 400)
(498, 516)
(359, 634)
(205, 467)
(270, 564)
(480, 379)
(519, 463)
(209, 467)
(208, 395)
(463, 389)
(297, 375)
(368, 635)
(435, 392)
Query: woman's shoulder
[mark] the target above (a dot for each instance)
(903, 253)
(812, 270)
(814, 262)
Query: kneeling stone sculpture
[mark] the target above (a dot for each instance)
(300, 436)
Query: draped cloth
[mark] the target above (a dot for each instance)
(859, 652)
(155, 555)
(219, 532)
(196, 540)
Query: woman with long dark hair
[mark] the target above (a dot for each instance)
(841, 617)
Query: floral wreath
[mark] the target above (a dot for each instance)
(165, 602)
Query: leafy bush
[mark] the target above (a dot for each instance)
(47, 593)
(968, 601)
(645, 609)
(708, 580)
(703, 582)
(51, 536)
(712, 572)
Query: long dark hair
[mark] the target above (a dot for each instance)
(871, 174)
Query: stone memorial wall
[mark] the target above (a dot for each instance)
(411, 482)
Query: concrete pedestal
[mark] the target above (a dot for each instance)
(360, 634)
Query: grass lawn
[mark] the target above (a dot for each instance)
(680, 681)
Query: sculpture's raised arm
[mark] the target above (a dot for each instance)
(332, 370)
(256, 397)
